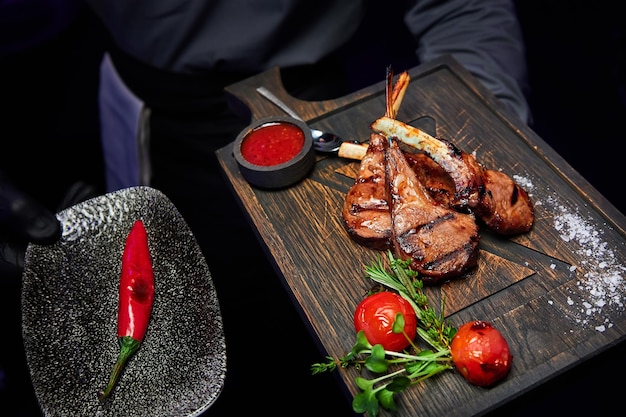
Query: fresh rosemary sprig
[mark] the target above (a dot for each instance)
(432, 327)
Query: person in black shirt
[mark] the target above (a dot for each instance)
(174, 58)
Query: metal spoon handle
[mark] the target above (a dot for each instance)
(271, 97)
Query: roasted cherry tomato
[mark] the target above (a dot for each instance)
(376, 314)
(480, 353)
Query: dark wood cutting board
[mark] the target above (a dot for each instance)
(557, 293)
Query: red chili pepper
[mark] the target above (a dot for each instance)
(136, 294)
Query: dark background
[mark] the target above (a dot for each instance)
(577, 67)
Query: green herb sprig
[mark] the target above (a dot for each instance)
(432, 327)
(396, 371)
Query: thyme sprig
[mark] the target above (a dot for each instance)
(432, 326)
(396, 371)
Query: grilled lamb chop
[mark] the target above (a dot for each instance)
(501, 204)
(462, 167)
(511, 211)
(437, 181)
(440, 242)
(365, 212)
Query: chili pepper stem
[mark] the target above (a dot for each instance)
(128, 346)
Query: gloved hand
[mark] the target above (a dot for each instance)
(22, 220)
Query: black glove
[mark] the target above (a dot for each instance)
(22, 220)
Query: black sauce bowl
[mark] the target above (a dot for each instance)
(283, 174)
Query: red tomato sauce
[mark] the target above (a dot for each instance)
(272, 144)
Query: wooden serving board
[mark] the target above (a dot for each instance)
(556, 293)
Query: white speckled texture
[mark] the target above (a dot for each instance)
(69, 314)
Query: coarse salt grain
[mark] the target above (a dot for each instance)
(603, 285)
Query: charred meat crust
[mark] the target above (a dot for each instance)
(510, 211)
(440, 242)
(366, 215)
(410, 202)
(501, 204)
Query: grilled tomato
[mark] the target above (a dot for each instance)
(480, 353)
(376, 314)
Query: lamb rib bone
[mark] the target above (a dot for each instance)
(496, 199)
(465, 171)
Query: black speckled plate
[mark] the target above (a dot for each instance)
(69, 314)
